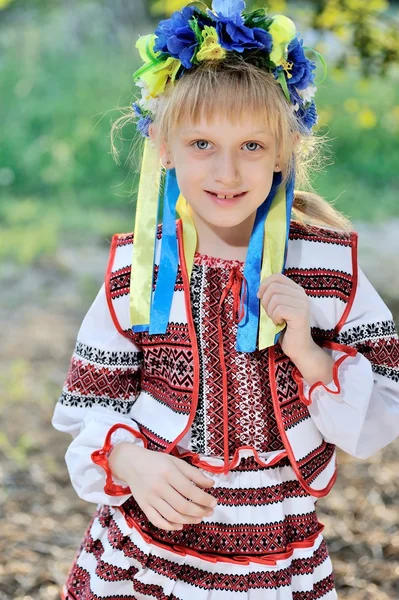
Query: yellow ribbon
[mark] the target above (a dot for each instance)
(272, 262)
(189, 234)
(141, 277)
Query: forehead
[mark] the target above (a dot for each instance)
(220, 125)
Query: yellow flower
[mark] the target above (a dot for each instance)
(210, 48)
(157, 77)
(282, 30)
(367, 118)
(155, 72)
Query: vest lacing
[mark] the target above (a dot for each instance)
(236, 279)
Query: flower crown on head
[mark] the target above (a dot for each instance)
(192, 35)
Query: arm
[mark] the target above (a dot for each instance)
(101, 386)
(358, 410)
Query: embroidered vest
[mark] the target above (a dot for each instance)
(323, 262)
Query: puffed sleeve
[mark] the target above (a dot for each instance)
(101, 386)
(358, 410)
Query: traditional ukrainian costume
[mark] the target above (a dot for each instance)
(193, 369)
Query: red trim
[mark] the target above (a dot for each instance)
(265, 559)
(192, 334)
(284, 437)
(100, 457)
(354, 245)
(203, 464)
(299, 378)
(114, 242)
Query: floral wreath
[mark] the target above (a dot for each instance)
(192, 35)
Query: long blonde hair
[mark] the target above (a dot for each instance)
(239, 86)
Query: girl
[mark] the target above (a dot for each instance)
(224, 358)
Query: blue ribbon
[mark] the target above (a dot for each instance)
(247, 332)
(145, 327)
(289, 201)
(168, 264)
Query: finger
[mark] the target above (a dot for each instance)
(282, 302)
(280, 291)
(277, 279)
(189, 490)
(184, 506)
(289, 313)
(195, 474)
(158, 520)
(172, 515)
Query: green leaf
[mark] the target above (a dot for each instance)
(258, 18)
(322, 60)
(283, 82)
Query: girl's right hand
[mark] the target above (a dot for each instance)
(164, 486)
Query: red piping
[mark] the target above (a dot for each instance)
(100, 457)
(114, 242)
(287, 445)
(342, 321)
(299, 379)
(216, 558)
(192, 334)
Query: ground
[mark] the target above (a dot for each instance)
(43, 520)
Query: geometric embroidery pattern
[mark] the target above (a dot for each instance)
(250, 414)
(200, 578)
(231, 539)
(379, 343)
(98, 377)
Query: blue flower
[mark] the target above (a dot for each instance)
(143, 122)
(143, 126)
(228, 8)
(302, 71)
(308, 116)
(137, 109)
(238, 37)
(232, 33)
(175, 37)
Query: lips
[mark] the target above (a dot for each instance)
(225, 193)
(226, 201)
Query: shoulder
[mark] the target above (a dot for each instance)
(121, 249)
(323, 235)
(312, 246)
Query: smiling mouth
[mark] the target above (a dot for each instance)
(226, 196)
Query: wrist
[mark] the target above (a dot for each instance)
(315, 365)
(117, 459)
(307, 353)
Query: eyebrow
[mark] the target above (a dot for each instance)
(198, 132)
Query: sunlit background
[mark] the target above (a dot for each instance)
(66, 70)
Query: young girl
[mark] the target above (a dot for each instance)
(225, 357)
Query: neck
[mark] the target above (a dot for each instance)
(230, 243)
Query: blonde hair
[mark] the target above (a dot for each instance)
(240, 85)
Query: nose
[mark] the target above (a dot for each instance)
(226, 170)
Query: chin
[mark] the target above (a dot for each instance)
(226, 220)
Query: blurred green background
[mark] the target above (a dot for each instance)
(67, 67)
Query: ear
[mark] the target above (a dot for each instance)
(164, 153)
(166, 157)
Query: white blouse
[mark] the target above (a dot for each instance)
(359, 412)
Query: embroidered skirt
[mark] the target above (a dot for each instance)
(263, 542)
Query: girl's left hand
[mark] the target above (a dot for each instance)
(285, 300)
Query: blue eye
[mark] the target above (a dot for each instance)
(198, 142)
(206, 142)
(255, 143)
